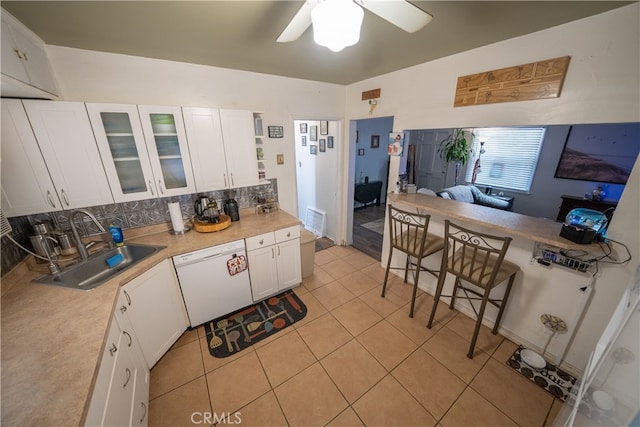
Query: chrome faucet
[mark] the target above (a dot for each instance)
(82, 248)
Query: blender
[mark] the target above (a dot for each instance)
(230, 205)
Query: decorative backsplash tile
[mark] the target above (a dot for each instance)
(125, 215)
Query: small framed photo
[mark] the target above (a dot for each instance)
(396, 142)
(304, 140)
(361, 152)
(276, 131)
(313, 149)
(303, 128)
(324, 127)
(323, 145)
(330, 142)
(375, 141)
(313, 133)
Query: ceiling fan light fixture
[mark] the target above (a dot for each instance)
(336, 24)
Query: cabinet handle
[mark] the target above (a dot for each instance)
(144, 415)
(126, 295)
(64, 197)
(50, 199)
(289, 234)
(151, 188)
(233, 183)
(278, 250)
(224, 175)
(273, 254)
(20, 54)
(128, 371)
(113, 349)
(123, 308)
(160, 187)
(261, 241)
(129, 337)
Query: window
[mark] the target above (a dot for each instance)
(508, 158)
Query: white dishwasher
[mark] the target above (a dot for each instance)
(214, 281)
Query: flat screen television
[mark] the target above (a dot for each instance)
(600, 152)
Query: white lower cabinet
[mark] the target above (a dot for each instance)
(149, 317)
(154, 306)
(121, 393)
(274, 261)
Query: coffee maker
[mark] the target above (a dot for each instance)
(230, 205)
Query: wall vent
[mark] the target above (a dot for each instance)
(5, 227)
(316, 222)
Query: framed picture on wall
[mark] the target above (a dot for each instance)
(361, 152)
(313, 133)
(323, 145)
(304, 140)
(324, 127)
(375, 141)
(313, 149)
(303, 128)
(330, 142)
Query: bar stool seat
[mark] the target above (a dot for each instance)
(408, 232)
(477, 261)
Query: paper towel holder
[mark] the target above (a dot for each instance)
(173, 231)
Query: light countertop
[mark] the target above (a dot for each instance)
(53, 337)
(541, 230)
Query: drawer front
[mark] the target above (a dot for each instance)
(288, 233)
(260, 241)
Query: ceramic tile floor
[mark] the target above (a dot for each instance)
(355, 359)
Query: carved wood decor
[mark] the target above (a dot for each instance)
(537, 80)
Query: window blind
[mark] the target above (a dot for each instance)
(509, 159)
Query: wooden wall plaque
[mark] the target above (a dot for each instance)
(537, 80)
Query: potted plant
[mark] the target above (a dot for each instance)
(456, 147)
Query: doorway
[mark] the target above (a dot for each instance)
(317, 175)
(370, 177)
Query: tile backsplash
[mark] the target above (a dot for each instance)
(125, 215)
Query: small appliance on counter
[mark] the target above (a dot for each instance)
(230, 205)
(208, 217)
(583, 225)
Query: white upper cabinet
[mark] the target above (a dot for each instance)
(144, 150)
(26, 185)
(124, 153)
(222, 145)
(240, 147)
(26, 71)
(204, 134)
(69, 148)
(163, 129)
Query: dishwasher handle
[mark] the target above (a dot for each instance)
(209, 254)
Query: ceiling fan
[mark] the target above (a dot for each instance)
(336, 23)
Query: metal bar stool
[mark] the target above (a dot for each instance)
(408, 234)
(478, 259)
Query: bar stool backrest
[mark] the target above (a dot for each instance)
(408, 231)
(473, 256)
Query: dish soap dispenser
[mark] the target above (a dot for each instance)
(116, 233)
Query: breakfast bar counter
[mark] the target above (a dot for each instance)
(541, 230)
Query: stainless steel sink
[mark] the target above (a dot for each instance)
(94, 271)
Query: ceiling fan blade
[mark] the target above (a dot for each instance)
(299, 24)
(400, 13)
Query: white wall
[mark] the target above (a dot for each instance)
(90, 76)
(601, 84)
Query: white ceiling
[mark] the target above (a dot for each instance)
(241, 34)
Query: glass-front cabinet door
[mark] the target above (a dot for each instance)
(164, 132)
(123, 150)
